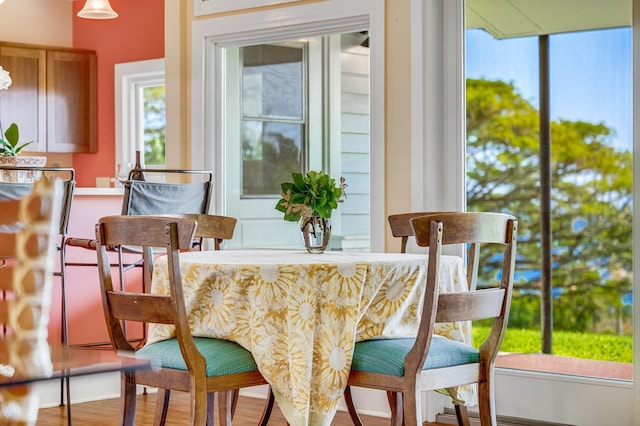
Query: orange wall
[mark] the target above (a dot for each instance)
(136, 34)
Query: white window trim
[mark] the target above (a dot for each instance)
(211, 36)
(129, 77)
(204, 7)
(636, 207)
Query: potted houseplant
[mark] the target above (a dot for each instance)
(9, 144)
(310, 199)
(10, 147)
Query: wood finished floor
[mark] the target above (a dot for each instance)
(106, 413)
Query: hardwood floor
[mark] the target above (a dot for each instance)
(106, 413)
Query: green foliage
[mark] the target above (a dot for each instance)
(9, 145)
(591, 202)
(154, 131)
(601, 347)
(314, 193)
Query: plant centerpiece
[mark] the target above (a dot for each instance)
(10, 147)
(310, 199)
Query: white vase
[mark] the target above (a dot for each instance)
(21, 176)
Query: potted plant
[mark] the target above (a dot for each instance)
(310, 199)
(10, 148)
(9, 145)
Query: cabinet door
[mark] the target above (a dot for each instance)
(71, 105)
(24, 103)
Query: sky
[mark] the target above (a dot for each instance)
(590, 74)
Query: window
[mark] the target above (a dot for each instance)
(140, 114)
(273, 117)
(291, 106)
(582, 293)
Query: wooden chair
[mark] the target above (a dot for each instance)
(200, 366)
(28, 227)
(400, 225)
(218, 229)
(405, 367)
(214, 227)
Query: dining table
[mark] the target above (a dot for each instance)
(300, 314)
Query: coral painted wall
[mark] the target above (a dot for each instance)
(136, 34)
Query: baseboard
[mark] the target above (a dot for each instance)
(83, 389)
(369, 402)
(107, 386)
(449, 418)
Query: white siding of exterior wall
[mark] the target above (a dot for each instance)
(355, 143)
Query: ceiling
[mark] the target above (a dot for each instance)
(517, 18)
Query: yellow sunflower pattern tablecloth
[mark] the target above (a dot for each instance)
(301, 314)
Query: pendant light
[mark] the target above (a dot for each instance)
(97, 9)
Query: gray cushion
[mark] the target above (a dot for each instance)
(13, 191)
(386, 356)
(223, 357)
(149, 198)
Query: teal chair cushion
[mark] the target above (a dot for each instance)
(223, 357)
(386, 356)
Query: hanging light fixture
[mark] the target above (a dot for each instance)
(97, 9)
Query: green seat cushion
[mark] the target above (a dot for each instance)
(386, 356)
(223, 357)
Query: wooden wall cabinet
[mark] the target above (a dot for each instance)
(52, 98)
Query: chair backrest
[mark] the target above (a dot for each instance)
(171, 234)
(67, 177)
(215, 227)
(27, 230)
(480, 230)
(401, 226)
(190, 193)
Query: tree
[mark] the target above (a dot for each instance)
(591, 206)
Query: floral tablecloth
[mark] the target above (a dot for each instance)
(301, 314)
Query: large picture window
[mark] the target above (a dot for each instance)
(549, 141)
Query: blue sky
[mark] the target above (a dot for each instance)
(590, 74)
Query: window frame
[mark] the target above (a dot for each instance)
(204, 7)
(130, 77)
(211, 36)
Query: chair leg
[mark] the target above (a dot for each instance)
(351, 407)
(211, 418)
(225, 401)
(268, 408)
(127, 400)
(67, 385)
(162, 406)
(410, 407)
(235, 393)
(462, 415)
(65, 382)
(395, 404)
(486, 403)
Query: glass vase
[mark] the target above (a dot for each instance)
(315, 231)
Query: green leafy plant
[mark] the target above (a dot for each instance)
(9, 143)
(313, 193)
(9, 146)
